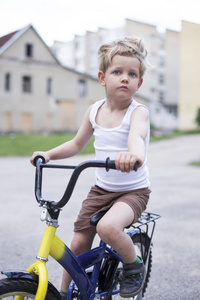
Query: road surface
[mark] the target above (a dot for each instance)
(175, 196)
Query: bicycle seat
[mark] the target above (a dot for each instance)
(96, 218)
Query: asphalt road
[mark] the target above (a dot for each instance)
(175, 196)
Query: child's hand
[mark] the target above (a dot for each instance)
(125, 161)
(44, 154)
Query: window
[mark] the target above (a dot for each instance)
(153, 89)
(161, 78)
(29, 50)
(49, 86)
(8, 121)
(172, 109)
(7, 82)
(161, 96)
(81, 88)
(26, 122)
(26, 84)
(161, 61)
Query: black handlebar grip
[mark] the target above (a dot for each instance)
(37, 157)
(110, 164)
(135, 166)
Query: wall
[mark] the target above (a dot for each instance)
(189, 84)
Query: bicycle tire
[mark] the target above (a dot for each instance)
(145, 241)
(9, 288)
(139, 240)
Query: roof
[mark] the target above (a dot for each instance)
(6, 38)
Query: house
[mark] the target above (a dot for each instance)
(189, 100)
(37, 93)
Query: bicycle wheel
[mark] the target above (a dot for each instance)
(142, 244)
(9, 288)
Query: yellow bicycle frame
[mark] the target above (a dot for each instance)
(51, 245)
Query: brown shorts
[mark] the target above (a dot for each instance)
(100, 200)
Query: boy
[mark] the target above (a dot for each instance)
(121, 129)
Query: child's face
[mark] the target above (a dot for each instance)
(122, 78)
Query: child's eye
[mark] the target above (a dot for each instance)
(116, 72)
(132, 74)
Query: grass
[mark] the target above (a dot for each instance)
(195, 163)
(174, 134)
(25, 145)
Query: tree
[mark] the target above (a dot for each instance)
(197, 119)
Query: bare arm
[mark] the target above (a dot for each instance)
(72, 147)
(136, 147)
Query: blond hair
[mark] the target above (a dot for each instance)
(128, 46)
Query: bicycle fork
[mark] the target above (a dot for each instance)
(39, 267)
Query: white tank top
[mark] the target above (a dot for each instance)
(108, 143)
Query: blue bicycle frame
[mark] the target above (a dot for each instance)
(77, 268)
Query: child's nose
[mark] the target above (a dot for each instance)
(124, 78)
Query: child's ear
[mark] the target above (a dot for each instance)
(140, 82)
(101, 77)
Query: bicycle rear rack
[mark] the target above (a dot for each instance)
(145, 226)
(146, 218)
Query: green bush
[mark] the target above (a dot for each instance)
(197, 120)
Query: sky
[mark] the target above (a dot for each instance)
(62, 19)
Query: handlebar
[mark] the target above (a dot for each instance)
(39, 162)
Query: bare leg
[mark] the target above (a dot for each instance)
(81, 242)
(110, 230)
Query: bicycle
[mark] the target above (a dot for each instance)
(96, 273)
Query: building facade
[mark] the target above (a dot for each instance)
(189, 100)
(38, 94)
(47, 91)
(161, 80)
